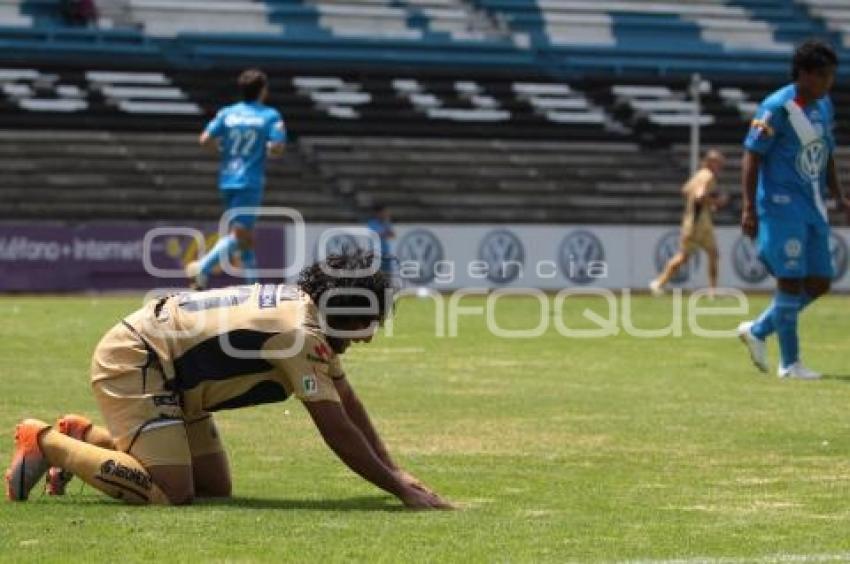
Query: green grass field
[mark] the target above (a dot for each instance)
(556, 449)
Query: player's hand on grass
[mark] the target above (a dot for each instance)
(415, 498)
(749, 223)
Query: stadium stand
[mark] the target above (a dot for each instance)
(489, 181)
(447, 110)
(167, 18)
(78, 175)
(434, 147)
(835, 14)
(567, 37)
(12, 16)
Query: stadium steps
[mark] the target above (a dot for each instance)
(495, 180)
(93, 174)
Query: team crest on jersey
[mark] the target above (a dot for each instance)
(793, 248)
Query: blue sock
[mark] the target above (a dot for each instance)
(786, 308)
(249, 266)
(763, 327)
(221, 249)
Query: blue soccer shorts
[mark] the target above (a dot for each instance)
(794, 249)
(244, 198)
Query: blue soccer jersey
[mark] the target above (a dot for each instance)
(244, 130)
(795, 144)
(382, 229)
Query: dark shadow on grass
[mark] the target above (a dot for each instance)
(360, 503)
(838, 377)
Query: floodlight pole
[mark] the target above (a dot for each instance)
(696, 85)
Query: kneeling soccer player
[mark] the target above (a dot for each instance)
(160, 373)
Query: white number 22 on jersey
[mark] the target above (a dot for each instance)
(242, 142)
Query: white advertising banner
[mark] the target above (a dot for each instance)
(553, 257)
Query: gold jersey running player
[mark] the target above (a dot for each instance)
(701, 200)
(160, 374)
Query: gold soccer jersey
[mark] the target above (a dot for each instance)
(181, 357)
(697, 225)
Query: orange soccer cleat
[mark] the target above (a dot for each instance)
(28, 462)
(76, 427)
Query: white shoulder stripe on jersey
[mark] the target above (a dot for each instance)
(800, 123)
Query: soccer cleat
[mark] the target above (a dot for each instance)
(798, 372)
(756, 347)
(656, 289)
(197, 279)
(76, 427)
(28, 462)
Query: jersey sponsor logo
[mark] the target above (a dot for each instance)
(578, 251)
(268, 296)
(504, 254)
(746, 262)
(839, 254)
(309, 385)
(793, 248)
(667, 246)
(422, 248)
(214, 299)
(243, 120)
(812, 159)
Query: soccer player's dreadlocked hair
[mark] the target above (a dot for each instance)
(347, 277)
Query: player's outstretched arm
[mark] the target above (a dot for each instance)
(749, 182)
(349, 444)
(356, 411)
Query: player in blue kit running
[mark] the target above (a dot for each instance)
(243, 134)
(381, 224)
(788, 172)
